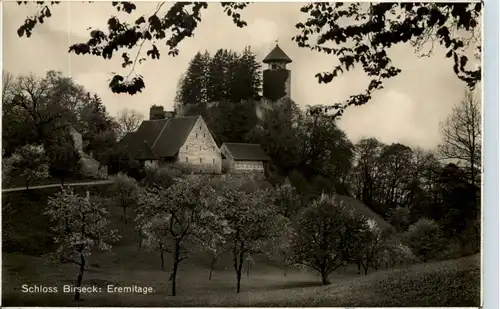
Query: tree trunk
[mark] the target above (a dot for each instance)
(365, 268)
(359, 267)
(324, 278)
(239, 268)
(284, 265)
(212, 265)
(176, 266)
(162, 261)
(248, 268)
(80, 277)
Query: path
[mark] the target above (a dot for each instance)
(88, 183)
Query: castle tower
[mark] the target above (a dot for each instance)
(276, 78)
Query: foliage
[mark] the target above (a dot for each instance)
(62, 156)
(32, 161)
(81, 225)
(98, 129)
(370, 245)
(7, 165)
(230, 122)
(37, 108)
(173, 26)
(425, 239)
(275, 86)
(181, 208)
(327, 236)
(362, 33)
(161, 176)
(126, 191)
(399, 217)
(250, 216)
(287, 199)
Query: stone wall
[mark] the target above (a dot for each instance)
(200, 150)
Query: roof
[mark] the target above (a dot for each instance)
(246, 152)
(361, 208)
(158, 138)
(277, 55)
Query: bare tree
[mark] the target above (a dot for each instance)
(461, 134)
(129, 120)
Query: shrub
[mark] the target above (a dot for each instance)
(425, 239)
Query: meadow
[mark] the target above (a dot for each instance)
(445, 283)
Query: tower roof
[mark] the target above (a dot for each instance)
(277, 55)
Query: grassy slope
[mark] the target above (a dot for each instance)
(449, 283)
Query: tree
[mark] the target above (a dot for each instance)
(35, 109)
(128, 121)
(245, 79)
(277, 130)
(371, 245)
(7, 165)
(32, 161)
(250, 216)
(98, 129)
(287, 199)
(399, 217)
(327, 236)
(126, 191)
(180, 210)
(62, 156)
(219, 75)
(81, 225)
(461, 134)
(367, 171)
(194, 84)
(157, 236)
(356, 34)
(231, 121)
(424, 237)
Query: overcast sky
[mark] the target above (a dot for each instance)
(408, 110)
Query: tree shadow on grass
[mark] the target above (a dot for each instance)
(294, 285)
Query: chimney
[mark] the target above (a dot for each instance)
(156, 112)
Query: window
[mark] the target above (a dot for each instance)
(187, 159)
(196, 135)
(187, 147)
(213, 148)
(213, 160)
(200, 148)
(203, 135)
(274, 66)
(201, 160)
(200, 127)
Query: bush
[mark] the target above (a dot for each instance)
(425, 238)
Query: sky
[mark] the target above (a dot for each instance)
(408, 110)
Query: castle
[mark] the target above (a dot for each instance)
(170, 138)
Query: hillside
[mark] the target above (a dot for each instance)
(27, 237)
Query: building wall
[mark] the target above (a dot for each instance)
(249, 166)
(200, 150)
(77, 140)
